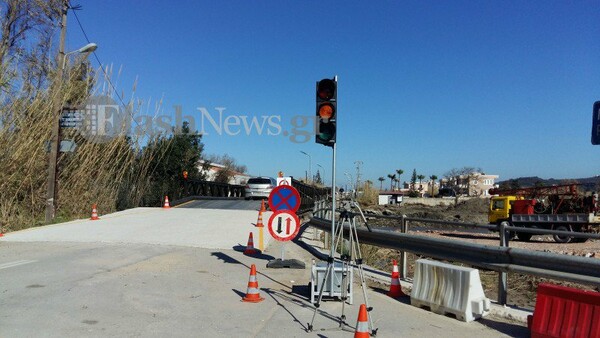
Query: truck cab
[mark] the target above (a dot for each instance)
(500, 207)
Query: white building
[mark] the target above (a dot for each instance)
(214, 169)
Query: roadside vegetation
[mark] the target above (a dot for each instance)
(135, 169)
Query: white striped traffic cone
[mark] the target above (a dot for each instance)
(252, 294)
(395, 288)
(250, 250)
(94, 213)
(362, 323)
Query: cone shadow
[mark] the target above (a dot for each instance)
(225, 258)
(239, 293)
(402, 299)
(258, 255)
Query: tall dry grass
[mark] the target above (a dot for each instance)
(112, 175)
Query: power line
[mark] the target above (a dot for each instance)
(74, 9)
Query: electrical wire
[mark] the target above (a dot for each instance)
(74, 9)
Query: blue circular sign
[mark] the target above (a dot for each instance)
(284, 197)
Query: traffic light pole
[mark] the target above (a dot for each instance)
(333, 202)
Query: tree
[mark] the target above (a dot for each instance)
(400, 172)
(381, 179)
(420, 177)
(317, 178)
(170, 157)
(231, 167)
(392, 178)
(433, 178)
(413, 179)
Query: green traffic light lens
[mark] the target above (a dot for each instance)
(326, 132)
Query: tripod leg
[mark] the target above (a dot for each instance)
(359, 262)
(328, 271)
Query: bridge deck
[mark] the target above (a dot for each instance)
(109, 278)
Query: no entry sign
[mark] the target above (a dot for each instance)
(284, 197)
(284, 225)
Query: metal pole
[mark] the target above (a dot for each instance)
(502, 276)
(404, 229)
(51, 192)
(333, 192)
(310, 168)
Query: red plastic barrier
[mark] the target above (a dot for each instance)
(565, 312)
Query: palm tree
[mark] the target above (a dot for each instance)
(420, 177)
(381, 179)
(400, 172)
(432, 178)
(392, 179)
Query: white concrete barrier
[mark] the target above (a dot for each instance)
(448, 289)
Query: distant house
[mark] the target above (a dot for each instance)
(390, 197)
(213, 170)
(476, 184)
(423, 188)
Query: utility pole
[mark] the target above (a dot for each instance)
(358, 164)
(55, 141)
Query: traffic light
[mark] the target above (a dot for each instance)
(326, 112)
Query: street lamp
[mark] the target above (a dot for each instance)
(55, 142)
(309, 165)
(90, 47)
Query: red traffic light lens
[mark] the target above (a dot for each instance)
(326, 111)
(326, 89)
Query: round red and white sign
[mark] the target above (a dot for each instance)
(284, 225)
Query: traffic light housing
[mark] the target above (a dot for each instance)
(326, 112)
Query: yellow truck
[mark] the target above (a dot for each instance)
(559, 208)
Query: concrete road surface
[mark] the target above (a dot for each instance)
(180, 273)
(223, 204)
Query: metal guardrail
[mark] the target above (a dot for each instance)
(501, 258)
(309, 194)
(197, 189)
(212, 189)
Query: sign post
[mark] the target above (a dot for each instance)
(284, 224)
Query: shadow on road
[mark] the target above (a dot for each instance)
(512, 330)
(291, 298)
(225, 258)
(259, 255)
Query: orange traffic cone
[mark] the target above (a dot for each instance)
(395, 288)
(362, 323)
(250, 247)
(166, 205)
(259, 222)
(94, 213)
(262, 206)
(252, 294)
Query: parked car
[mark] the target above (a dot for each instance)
(259, 187)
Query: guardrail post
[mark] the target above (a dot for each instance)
(404, 229)
(502, 276)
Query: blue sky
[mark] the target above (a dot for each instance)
(432, 85)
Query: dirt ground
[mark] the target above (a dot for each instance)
(522, 288)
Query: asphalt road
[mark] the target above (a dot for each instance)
(180, 273)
